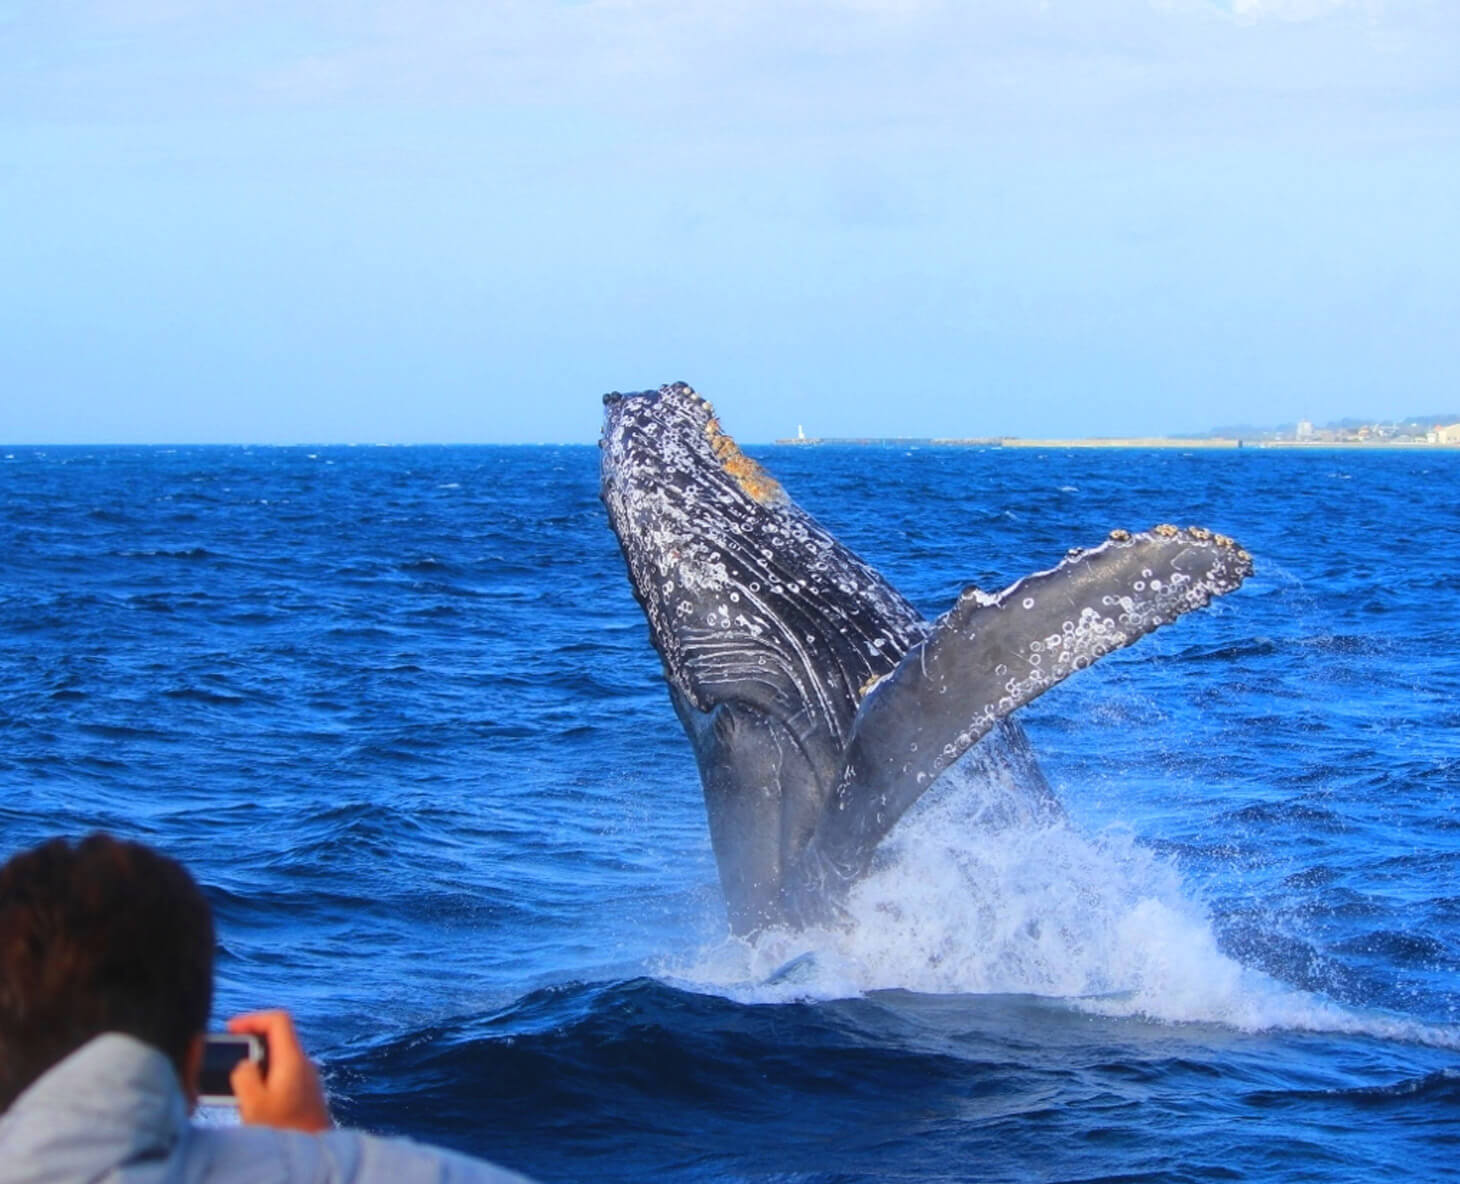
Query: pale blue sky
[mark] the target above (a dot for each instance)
(433, 220)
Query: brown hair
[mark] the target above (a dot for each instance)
(103, 936)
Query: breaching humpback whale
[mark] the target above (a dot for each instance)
(820, 704)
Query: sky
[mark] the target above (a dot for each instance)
(401, 221)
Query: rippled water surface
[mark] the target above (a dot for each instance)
(398, 710)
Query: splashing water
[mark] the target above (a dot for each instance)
(985, 889)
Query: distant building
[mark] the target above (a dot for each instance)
(1449, 434)
(1305, 429)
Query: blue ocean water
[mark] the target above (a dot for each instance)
(398, 710)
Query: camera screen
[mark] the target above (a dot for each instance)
(220, 1055)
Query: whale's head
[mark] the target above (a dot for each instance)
(672, 438)
(689, 509)
(745, 593)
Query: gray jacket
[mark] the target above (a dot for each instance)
(113, 1112)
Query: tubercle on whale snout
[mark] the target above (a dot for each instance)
(668, 390)
(639, 420)
(696, 416)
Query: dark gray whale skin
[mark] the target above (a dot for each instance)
(820, 704)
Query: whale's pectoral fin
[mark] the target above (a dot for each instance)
(989, 655)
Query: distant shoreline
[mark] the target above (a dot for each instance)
(1185, 443)
(1210, 444)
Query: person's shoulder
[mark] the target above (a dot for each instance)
(233, 1155)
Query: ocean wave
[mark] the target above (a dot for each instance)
(1440, 1088)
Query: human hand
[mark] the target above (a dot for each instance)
(290, 1097)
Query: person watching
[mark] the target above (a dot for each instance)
(106, 985)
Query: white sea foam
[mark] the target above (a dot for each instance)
(981, 891)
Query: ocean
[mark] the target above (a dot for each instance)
(398, 711)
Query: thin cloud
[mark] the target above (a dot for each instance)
(714, 72)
